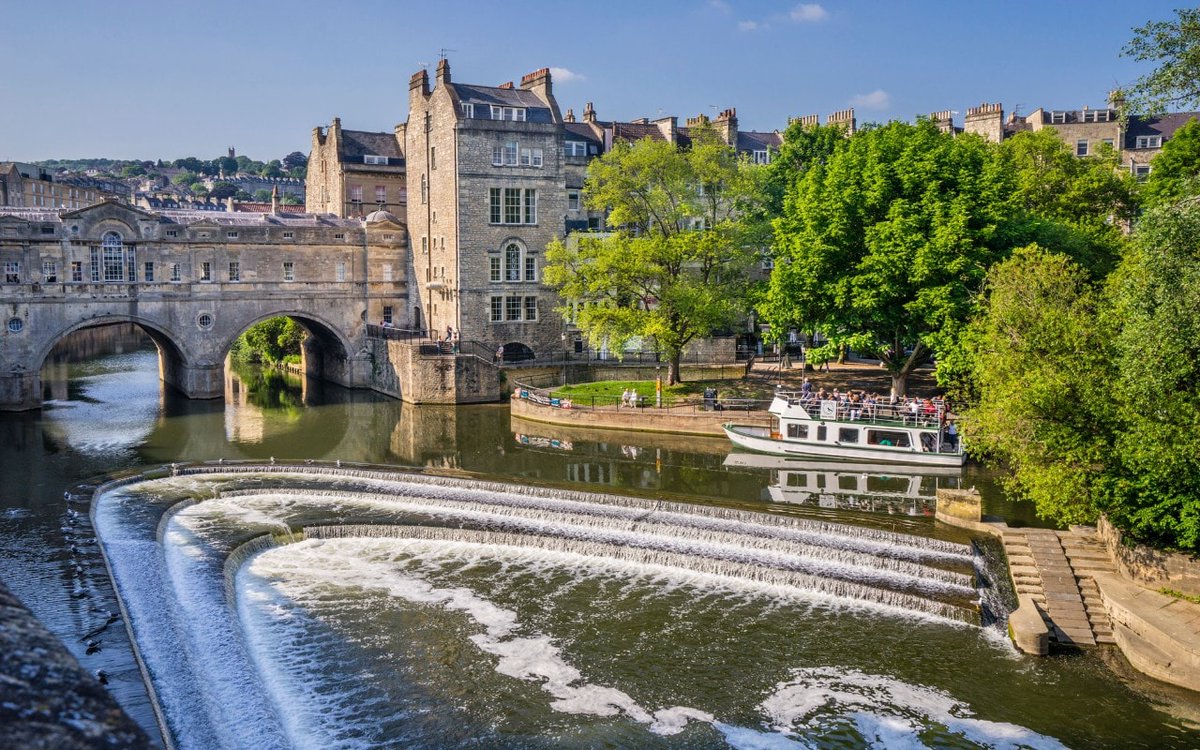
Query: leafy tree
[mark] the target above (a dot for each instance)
(1174, 45)
(262, 195)
(1042, 369)
(803, 146)
(883, 246)
(1155, 301)
(295, 162)
(1176, 172)
(676, 266)
(271, 341)
(199, 189)
(272, 168)
(185, 178)
(223, 190)
(133, 170)
(288, 199)
(190, 163)
(226, 165)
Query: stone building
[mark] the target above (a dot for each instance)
(354, 172)
(31, 186)
(1085, 130)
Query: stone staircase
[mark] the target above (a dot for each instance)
(1056, 569)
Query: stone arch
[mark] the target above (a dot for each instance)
(515, 351)
(174, 358)
(326, 353)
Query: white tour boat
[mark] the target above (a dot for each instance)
(807, 426)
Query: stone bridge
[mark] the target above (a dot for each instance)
(195, 281)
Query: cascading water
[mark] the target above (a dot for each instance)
(441, 612)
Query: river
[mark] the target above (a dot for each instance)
(681, 661)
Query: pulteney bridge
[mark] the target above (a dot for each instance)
(194, 281)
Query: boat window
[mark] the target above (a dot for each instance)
(848, 435)
(796, 479)
(848, 482)
(893, 438)
(798, 431)
(821, 433)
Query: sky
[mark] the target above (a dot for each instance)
(136, 79)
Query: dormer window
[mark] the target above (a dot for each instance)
(1148, 141)
(516, 114)
(762, 157)
(1058, 118)
(468, 110)
(1097, 115)
(575, 148)
(375, 159)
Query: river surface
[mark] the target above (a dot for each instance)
(473, 639)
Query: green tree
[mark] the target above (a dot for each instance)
(295, 163)
(223, 190)
(190, 163)
(288, 199)
(199, 189)
(1176, 172)
(226, 165)
(272, 168)
(883, 247)
(1155, 302)
(133, 170)
(803, 146)
(1174, 46)
(185, 178)
(675, 268)
(271, 342)
(262, 195)
(1042, 369)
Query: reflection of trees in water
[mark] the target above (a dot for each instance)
(269, 388)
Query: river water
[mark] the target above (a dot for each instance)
(476, 631)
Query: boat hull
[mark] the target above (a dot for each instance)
(752, 438)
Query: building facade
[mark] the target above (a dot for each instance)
(31, 186)
(354, 172)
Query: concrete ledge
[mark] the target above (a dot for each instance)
(1027, 629)
(1159, 634)
(643, 420)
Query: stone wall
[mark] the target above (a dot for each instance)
(1148, 567)
(400, 370)
(683, 421)
(49, 701)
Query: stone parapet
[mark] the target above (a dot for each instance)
(399, 369)
(1148, 567)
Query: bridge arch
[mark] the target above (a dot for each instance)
(327, 353)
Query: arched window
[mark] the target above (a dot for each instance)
(512, 262)
(110, 263)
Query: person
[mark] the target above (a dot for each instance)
(457, 337)
(806, 387)
(625, 397)
(449, 333)
(500, 353)
(709, 399)
(952, 436)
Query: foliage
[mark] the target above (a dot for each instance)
(199, 189)
(295, 162)
(223, 190)
(803, 146)
(288, 199)
(262, 195)
(185, 178)
(676, 267)
(272, 168)
(133, 170)
(1155, 300)
(883, 246)
(1174, 45)
(1041, 364)
(271, 342)
(1176, 172)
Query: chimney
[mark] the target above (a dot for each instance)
(667, 126)
(229, 204)
(570, 116)
(844, 118)
(589, 113)
(1116, 99)
(505, 85)
(274, 200)
(726, 123)
(805, 121)
(443, 71)
(698, 120)
(419, 80)
(540, 84)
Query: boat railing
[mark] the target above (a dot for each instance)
(912, 414)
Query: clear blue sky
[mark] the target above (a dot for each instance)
(142, 79)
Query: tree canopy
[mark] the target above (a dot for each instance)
(676, 265)
(1174, 46)
(1176, 168)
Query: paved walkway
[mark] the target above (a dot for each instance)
(1057, 570)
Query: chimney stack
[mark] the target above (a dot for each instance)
(570, 116)
(443, 71)
(589, 113)
(274, 200)
(419, 80)
(726, 124)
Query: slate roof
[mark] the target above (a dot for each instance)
(1163, 125)
(636, 131)
(753, 141)
(535, 109)
(359, 143)
(580, 131)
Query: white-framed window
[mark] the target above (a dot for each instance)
(762, 157)
(494, 273)
(468, 109)
(512, 205)
(77, 270)
(387, 315)
(375, 159)
(289, 270)
(1148, 141)
(1141, 172)
(1081, 147)
(12, 272)
(531, 308)
(381, 194)
(510, 154)
(49, 272)
(516, 114)
(575, 148)
(387, 271)
(530, 207)
(573, 200)
(356, 193)
(530, 268)
(176, 274)
(339, 270)
(1058, 118)
(1109, 142)
(512, 309)
(496, 309)
(112, 250)
(235, 270)
(205, 271)
(512, 262)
